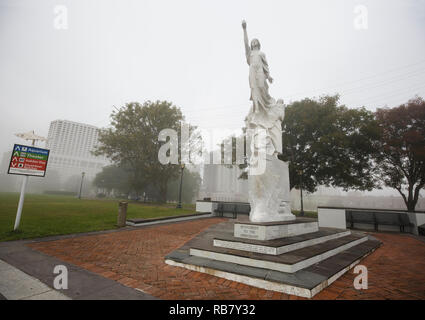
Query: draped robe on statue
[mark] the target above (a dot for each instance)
(258, 74)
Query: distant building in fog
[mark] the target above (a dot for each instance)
(70, 145)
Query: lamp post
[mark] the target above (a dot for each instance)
(300, 172)
(179, 205)
(81, 185)
(103, 185)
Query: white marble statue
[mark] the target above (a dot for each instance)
(268, 188)
(271, 122)
(258, 74)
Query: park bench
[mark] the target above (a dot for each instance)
(387, 219)
(243, 208)
(405, 221)
(226, 208)
(421, 230)
(361, 217)
(378, 218)
(348, 218)
(233, 208)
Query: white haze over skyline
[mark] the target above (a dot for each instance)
(190, 52)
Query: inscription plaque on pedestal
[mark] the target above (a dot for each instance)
(247, 231)
(275, 231)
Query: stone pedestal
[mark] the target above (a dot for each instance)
(275, 230)
(269, 193)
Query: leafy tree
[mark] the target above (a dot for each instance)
(329, 144)
(190, 188)
(401, 157)
(113, 178)
(132, 142)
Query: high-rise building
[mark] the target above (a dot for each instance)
(71, 145)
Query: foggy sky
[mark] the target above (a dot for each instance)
(191, 52)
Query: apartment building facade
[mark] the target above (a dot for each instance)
(71, 145)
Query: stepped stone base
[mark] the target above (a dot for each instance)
(301, 265)
(304, 283)
(291, 262)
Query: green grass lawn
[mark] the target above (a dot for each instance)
(47, 215)
(307, 214)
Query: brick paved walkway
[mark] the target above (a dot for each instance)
(136, 259)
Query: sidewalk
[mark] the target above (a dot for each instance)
(27, 273)
(17, 285)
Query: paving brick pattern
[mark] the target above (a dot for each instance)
(136, 259)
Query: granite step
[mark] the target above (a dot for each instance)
(279, 246)
(289, 262)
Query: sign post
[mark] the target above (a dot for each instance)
(27, 161)
(21, 204)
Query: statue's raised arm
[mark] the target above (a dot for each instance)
(245, 37)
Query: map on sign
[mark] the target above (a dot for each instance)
(27, 160)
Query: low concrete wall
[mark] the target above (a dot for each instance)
(203, 206)
(420, 219)
(334, 217)
(331, 218)
(417, 219)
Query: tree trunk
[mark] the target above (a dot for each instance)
(411, 200)
(411, 204)
(163, 192)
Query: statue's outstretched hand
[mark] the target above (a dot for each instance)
(270, 79)
(243, 24)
